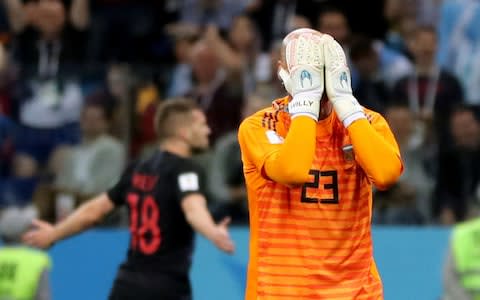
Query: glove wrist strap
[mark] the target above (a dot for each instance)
(304, 104)
(353, 117)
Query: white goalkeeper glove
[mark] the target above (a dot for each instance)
(304, 78)
(338, 84)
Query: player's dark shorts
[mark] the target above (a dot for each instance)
(137, 286)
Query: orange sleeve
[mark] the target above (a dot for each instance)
(285, 161)
(376, 150)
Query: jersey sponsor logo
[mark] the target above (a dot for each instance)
(273, 137)
(188, 182)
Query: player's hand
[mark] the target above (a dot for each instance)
(222, 238)
(338, 83)
(304, 77)
(41, 236)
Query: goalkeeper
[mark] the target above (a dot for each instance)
(310, 162)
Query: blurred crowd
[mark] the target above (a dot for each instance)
(80, 81)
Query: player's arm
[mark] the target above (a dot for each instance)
(376, 151)
(190, 191)
(45, 234)
(287, 163)
(302, 75)
(195, 209)
(291, 163)
(89, 213)
(374, 145)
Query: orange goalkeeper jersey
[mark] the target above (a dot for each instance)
(312, 241)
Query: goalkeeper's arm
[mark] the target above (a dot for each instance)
(376, 150)
(305, 82)
(291, 164)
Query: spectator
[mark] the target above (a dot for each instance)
(371, 86)
(277, 18)
(431, 91)
(396, 206)
(48, 94)
(334, 22)
(98, 160)
(18, 186)
(428, 12)
(181, 79)
(113, 86)
(401, 20)
(118, 91)
(17, 180)
(458, 45)
(50, 44)
(362, 19)
(22, 13)
(205, 12)
(399, 38)
(87, 168)
(226, 181)
(218, 94)
(124, 31)
(458, 169)
(392, 64)
(409, 201)
(25, 272)
(240, 52)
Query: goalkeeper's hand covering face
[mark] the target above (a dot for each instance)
(302, 71)
(311, 62)
(301, 46)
